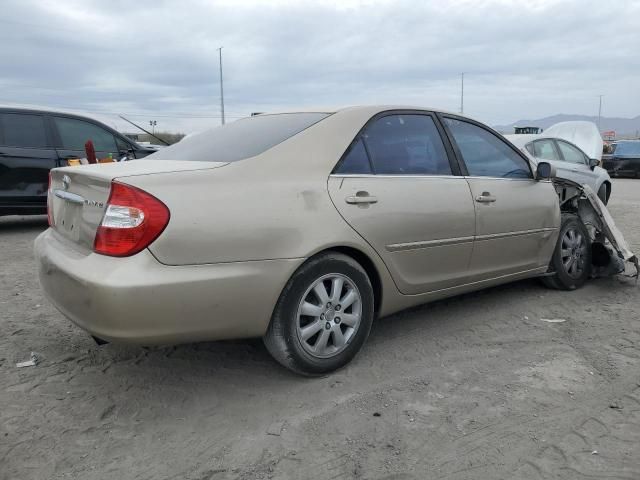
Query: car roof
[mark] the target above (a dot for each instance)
(34, 111)
(373, 109)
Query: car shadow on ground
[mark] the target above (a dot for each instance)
(219, 360)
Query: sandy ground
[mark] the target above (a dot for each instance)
(476, 387)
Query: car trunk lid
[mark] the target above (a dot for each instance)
(78, 195)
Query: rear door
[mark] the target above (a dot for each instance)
(72, 133)
(577, 163)
(516, 216)
(26, 156)
(398, 187)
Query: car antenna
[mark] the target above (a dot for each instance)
(145, 131)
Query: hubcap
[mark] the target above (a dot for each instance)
(329, 315)
(573, 249)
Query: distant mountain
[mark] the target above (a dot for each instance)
(622, 126)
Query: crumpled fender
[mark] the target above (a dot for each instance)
(594, 213)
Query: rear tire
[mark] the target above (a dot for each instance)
(323, 315)
(571, 261)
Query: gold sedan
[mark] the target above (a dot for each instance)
(301, 228)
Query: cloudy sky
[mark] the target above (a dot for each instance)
(155, 59)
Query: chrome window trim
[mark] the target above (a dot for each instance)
(374, 175)
(474, 177)
(461, 177)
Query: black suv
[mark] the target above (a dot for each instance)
(32, 142)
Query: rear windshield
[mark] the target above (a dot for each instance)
(240, 139)
(627, 148)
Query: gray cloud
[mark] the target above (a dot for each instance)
(159, 59)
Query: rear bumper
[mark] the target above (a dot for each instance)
(139, 300)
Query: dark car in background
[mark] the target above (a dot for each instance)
(624, 161)
(32, 142)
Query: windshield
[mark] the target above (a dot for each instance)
(240, 139)
(627, 148)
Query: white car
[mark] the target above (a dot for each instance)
(575, 149)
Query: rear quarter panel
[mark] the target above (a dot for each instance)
(275, 205)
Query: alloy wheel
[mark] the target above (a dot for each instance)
(328, 315)
(573, 250)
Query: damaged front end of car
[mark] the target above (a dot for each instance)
(609, 249)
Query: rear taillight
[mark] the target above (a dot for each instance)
(49, 203)
(133, 219)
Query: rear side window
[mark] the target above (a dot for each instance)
(241, 139)
(406, 145)
(23, 130)
(545, 149)
(486, 155)
(398, 145)
(571, 154)
(74, 134)
(355, 161)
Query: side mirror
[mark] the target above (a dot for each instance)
(593, 163)
(545, 171)
(127, 154)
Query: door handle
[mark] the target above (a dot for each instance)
(361, 198)
(486, 197)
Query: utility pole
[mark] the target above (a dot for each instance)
(600, 112)
(221, 87)
(153, 124)
(462, 92)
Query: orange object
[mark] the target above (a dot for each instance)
(72, 162)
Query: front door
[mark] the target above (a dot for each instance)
(26, 156)
(73, 133)
(396, 187)
(517, 217)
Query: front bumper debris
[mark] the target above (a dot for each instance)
(610, 249)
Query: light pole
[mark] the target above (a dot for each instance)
(462, 92)
(153, 124)
(221, 87)
(599, 111)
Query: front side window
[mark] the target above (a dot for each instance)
(406, 145)
(545, 149)
(23, 130)
(486, 155)
(122, 145)
(529, 147)
(75, 133)
(571, 154)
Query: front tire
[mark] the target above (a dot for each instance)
(603, 193)
(323, 315)
(571, 261)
